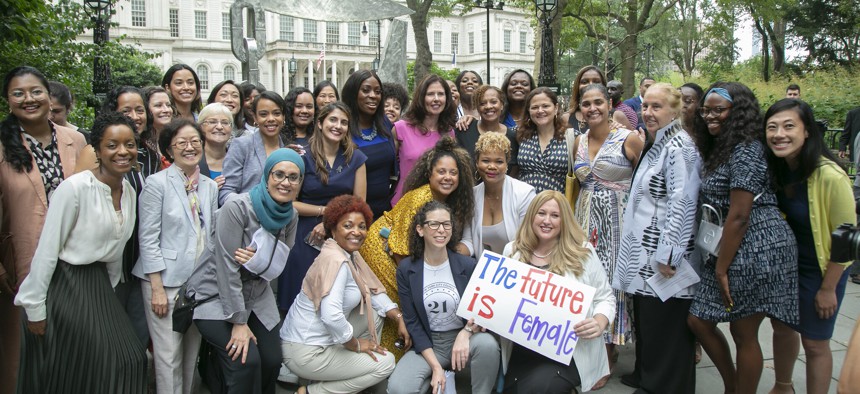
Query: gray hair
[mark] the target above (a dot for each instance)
(213, 109)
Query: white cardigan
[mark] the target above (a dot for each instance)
(590, 354)
(516, 197)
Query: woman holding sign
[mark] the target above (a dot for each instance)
(241, 322)
(430, 283)
(550, 239)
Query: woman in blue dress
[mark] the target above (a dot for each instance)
(333, 166)
(371, 131)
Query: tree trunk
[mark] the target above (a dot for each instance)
(423, 56)
(777, 43)
(629, 54)
(765, 51)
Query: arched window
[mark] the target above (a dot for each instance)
(229, 73)
(203, 74)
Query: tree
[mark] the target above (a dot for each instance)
(829, 30)
(631, 16)
(423, 56)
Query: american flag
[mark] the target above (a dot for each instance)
(321, 58)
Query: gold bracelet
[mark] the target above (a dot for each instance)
(359, 345)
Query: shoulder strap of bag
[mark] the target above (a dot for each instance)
(569, 139)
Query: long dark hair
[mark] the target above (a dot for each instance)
(575, 94)
(811, 152)
(743, 125)
(316, 142)
(279, 101)
(14, 151)
(528, 128)
(507, 82)
(290, 106)
(416, 113)
(350, 98)
(197, 103)
(239, 118)
(318, 89)
(416, 242)
(462, 200)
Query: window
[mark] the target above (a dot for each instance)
(138, 13)
(437, 41)
(471, 42)
(484, 40)
(203, 75)
(229, 73)
(287, 28)
(354, 33)
(455, 42)
(374, 33)
(174, 22)
(507, 40)
(522, 42)
(200, 24)
(332, 32)
(225, 26)
(310, 30)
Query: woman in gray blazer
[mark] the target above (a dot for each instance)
(177, 208)
(241, 320)
(500, 200)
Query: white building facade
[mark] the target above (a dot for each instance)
(197, 33)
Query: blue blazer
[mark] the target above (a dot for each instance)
(410, 287)
(167, 239)
(243, 165)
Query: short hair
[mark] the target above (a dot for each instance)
(671, 95)
(482, 90)
(416, 242)
(213, 109)
(105, 120)
(397, 92)
(341, 206)
(61, 93)
(111, 103)
(279, 101)
(165, 138)
(698, 89)
(493, 142)
(642, 81)
(793, 86)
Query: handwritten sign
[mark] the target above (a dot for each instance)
(532, 307)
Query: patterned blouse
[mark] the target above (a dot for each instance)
(543, 170)
(47, 161)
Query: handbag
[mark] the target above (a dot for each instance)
(183, 310)
(571, 183)
(711, 229)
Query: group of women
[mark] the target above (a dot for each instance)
(332, 233)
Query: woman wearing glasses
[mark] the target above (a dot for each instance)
(755, 274)
(35, 156)
(241, 321)
(216, 121)
(176, 211)
(334, 167)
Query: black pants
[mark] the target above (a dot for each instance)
(667, 352)
(259, 374)
(530, 372)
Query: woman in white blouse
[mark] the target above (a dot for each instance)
(656, 240)
(78, 337)
(550, 239)
(330, 334)
(500, 200)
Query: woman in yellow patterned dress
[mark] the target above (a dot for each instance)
(444, 174)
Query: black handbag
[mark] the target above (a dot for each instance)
(183, 310)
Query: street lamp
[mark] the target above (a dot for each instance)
(547, 56)
(293, 68)
(101, 11)
(378, 59)
(489, 5)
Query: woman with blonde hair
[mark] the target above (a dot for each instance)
(550, 239)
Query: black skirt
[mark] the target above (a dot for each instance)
(89, 344)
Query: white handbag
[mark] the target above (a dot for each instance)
(710, 231)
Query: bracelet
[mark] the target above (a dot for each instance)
(468, 329)
(320, 211)
(359, 345)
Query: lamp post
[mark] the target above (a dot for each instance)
(292, 68)
(648, 48)
(101, 11)
(378, 60)
(489, 5)
(547, 53)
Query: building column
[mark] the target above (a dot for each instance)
(282, 77)
(334, 72)
(310, 73)
(356, 66)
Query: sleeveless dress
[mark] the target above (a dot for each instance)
(605, 186)
(341, 180)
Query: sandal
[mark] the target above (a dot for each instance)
(855, 278)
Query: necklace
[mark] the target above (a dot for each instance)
(368, 137)
(539, 256)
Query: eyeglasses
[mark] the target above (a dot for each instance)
(279, 177)
(195, 143)
(435, 225)
(216, 122)
(716, 111)
(19, 95)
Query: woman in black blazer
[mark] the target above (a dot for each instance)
(430, 283)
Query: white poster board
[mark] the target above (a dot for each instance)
(532, 307)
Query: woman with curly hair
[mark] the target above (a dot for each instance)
(300, 112)
(396, 100)
(543, 153)
(444, 174)
(755, 274)
(574, 117)
(549, 239)
(430, 117)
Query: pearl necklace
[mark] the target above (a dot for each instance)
(539, 256)
(368, 137)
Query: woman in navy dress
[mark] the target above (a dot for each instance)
(333, 166)
(371, 131)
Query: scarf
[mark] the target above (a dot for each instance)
(272, 215)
